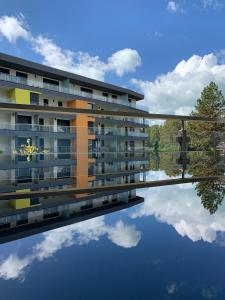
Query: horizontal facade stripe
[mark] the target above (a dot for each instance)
(23, 65)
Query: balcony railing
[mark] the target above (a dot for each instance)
(110, 131)
(36, 127)
(118, 155)
(60, 89)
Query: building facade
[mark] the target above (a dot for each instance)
(46, 144)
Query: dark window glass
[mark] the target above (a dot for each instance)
(50, 81)
(60, 103)
(63, 122)
(41, 121)
(45, 102)
(114, 96)
(34, 201)
(3, 70)
(22, 75)
(64, 148)
(86, 90)
(24, 175)
(24, 119)
(105, 94)
(34, 98)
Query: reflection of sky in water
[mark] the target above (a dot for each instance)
(131, 254)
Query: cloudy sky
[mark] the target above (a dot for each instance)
(169, 50)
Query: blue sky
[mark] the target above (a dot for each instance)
(163, 33)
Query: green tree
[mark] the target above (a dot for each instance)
(153, 137)
(206, 135)
(168, 134)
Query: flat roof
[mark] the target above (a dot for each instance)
(23, 65)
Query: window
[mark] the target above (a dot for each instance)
(131, 129)
(34, 201)
(114, 96)
(22, 219)
(50, 81)
(45, 102)
(22, 75)
(3, 70)
(34, 98)
(60, 104)
(85, 90)
(105, 94)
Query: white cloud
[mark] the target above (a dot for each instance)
(186, 213)
(13, 28)
(124, 61)
(207, 4)
(173, 6)
(82, 233)
(177, 91)
(120, 62)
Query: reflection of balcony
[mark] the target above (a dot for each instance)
(119, 155)
(35, 160)
(60, 89)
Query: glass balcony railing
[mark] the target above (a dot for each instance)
(36, 127)
(110, 131)
(61, 89)
(118, 155)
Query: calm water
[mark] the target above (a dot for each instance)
(169, 246)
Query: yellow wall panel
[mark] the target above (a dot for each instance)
(20, 203)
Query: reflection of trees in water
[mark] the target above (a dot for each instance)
(208, 164)
(167, 162)
(203, 136)
(201, 164)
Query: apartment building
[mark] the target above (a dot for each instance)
(45, 143)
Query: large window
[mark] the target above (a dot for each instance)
(64, 148)
(85, 90)
(4, 71)
(50, 81)
(22, 76)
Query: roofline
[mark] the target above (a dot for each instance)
(42, 70)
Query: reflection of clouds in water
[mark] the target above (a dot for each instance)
(123, 235)
(180, 207)
(172, 288)
(14, 267)
(156, 175)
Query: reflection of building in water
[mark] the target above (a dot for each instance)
(55, 212)
(37, 102)
(38, 112)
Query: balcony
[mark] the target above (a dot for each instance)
(116, 132)
(38, 128)
(60, 89)
(119, 155)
